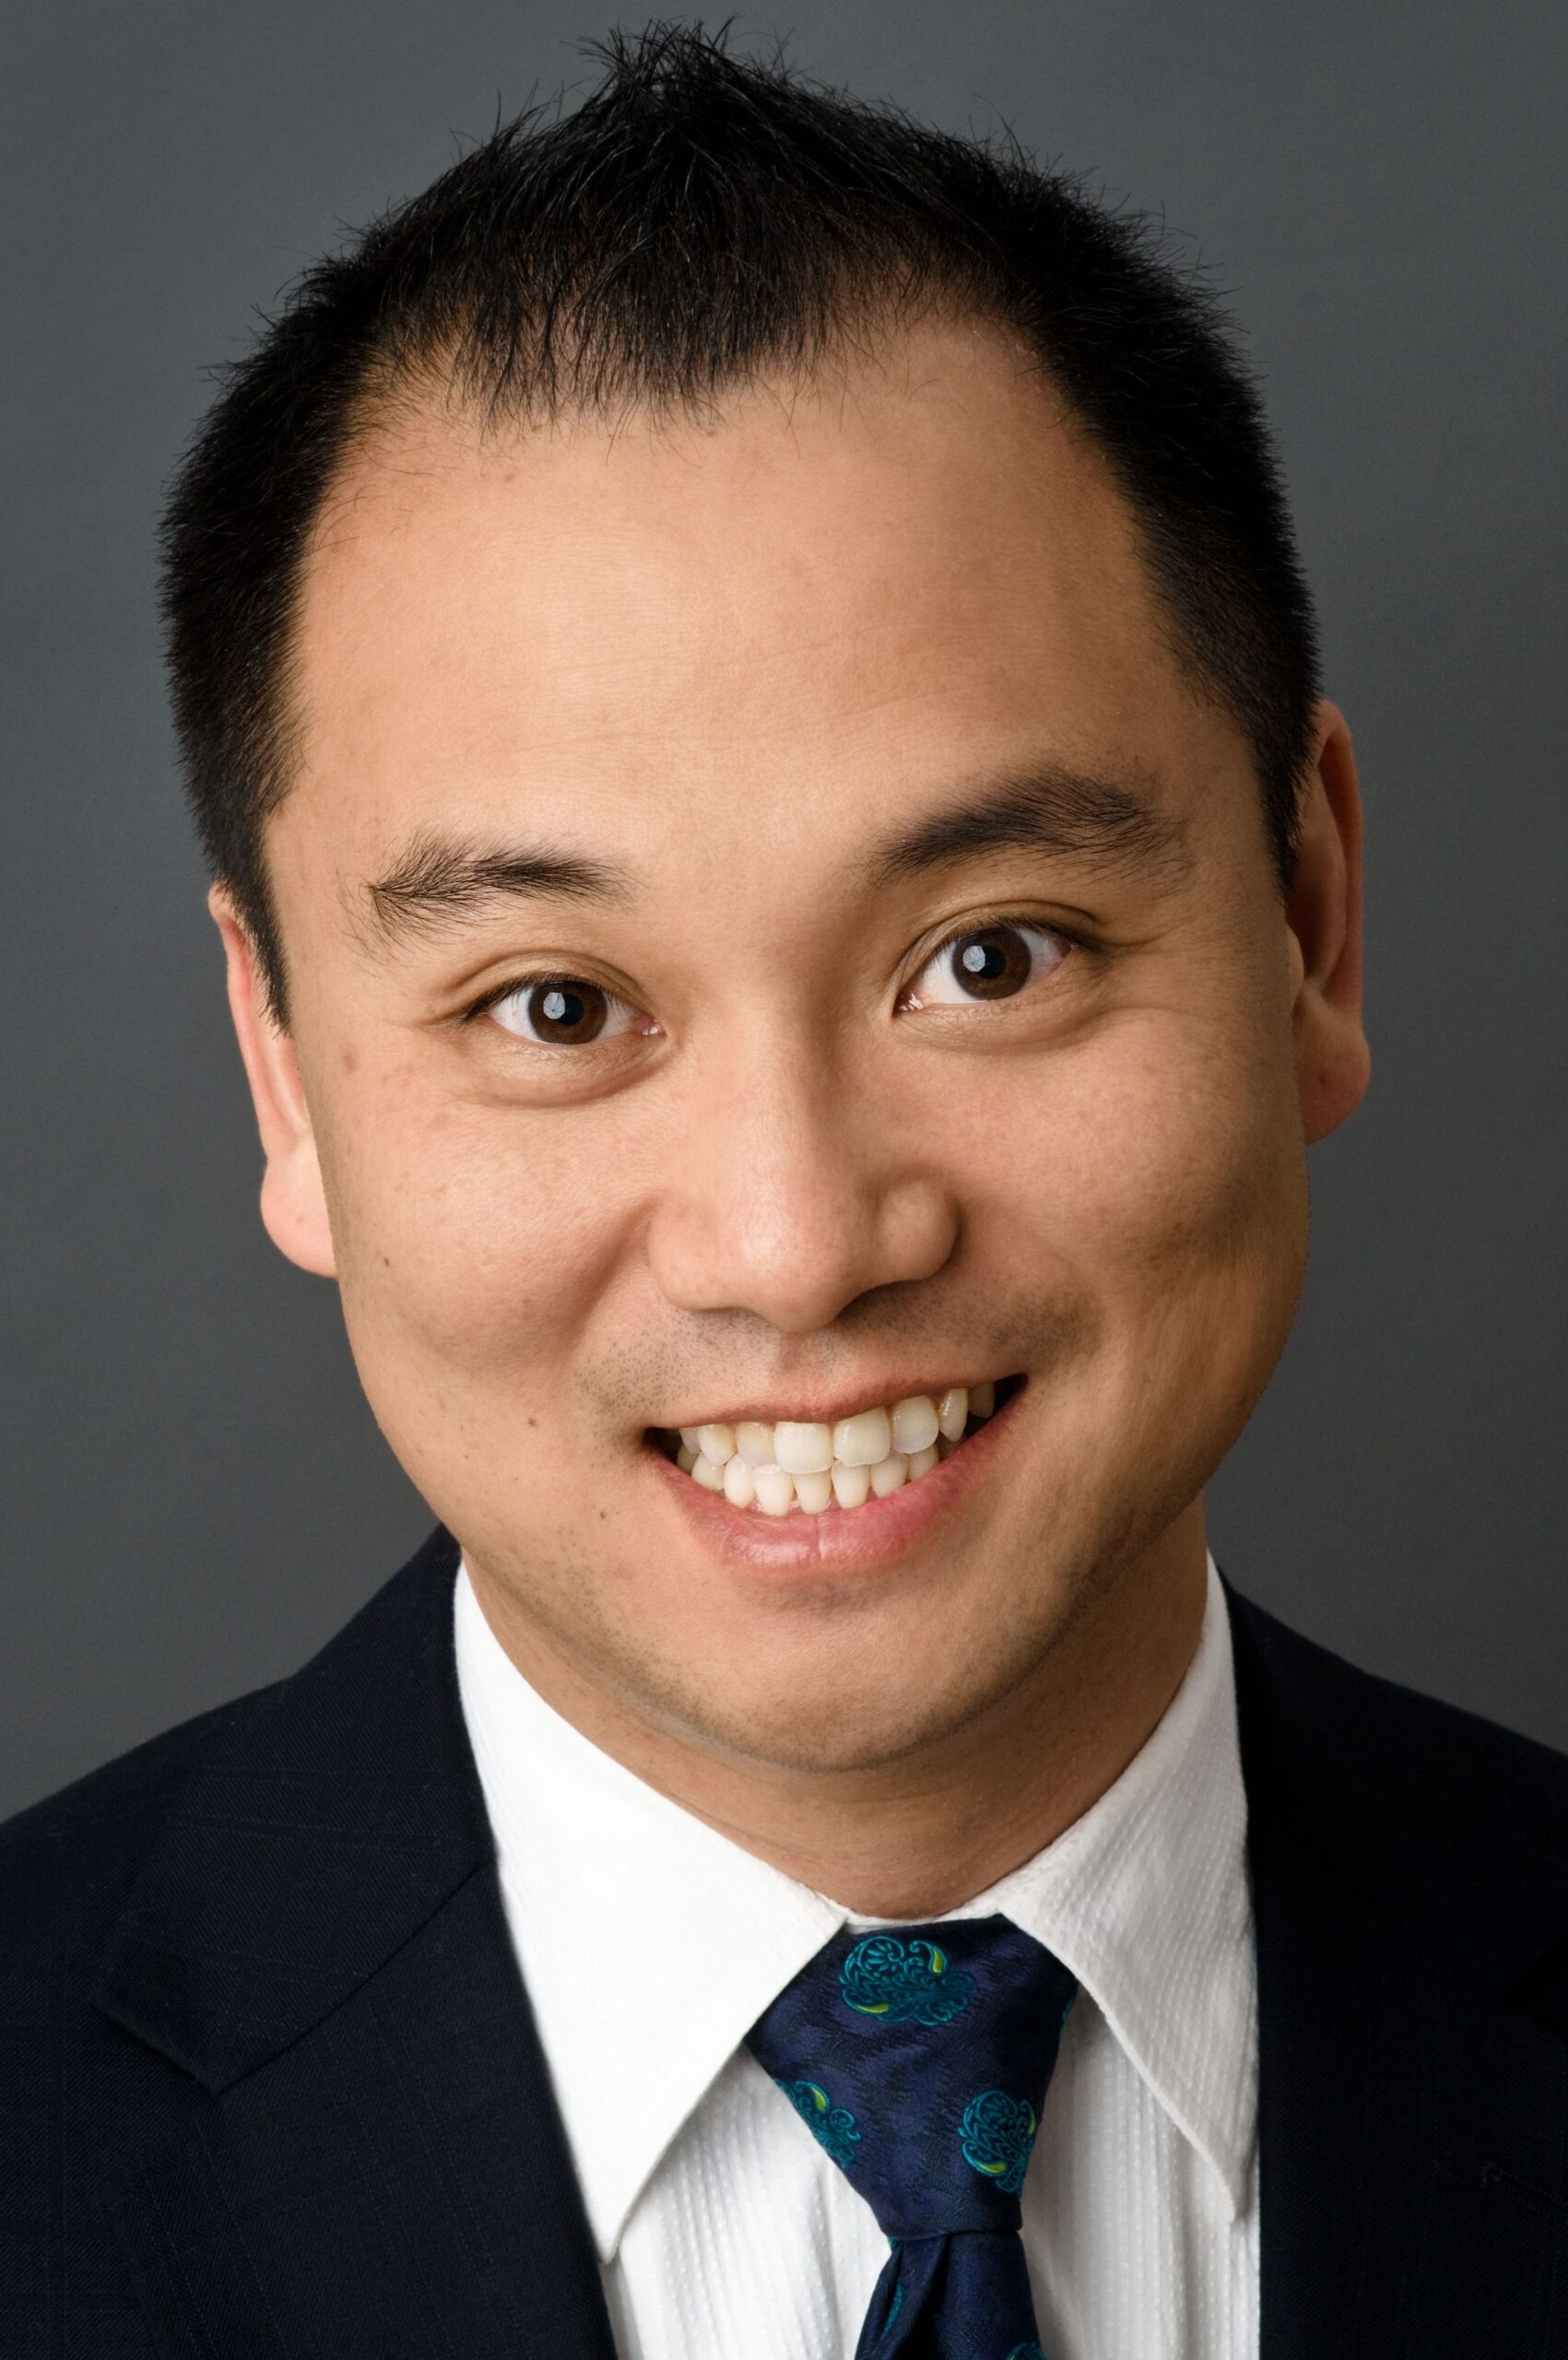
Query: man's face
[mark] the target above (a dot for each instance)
(826, 953)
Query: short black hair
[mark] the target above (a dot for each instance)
(697, 220)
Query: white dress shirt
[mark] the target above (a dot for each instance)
(650, 1943)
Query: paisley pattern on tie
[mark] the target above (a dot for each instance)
(831, 2126)
(883, 1977)
(997, 2136)
(920, 2060)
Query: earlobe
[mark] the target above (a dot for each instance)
(293, 1203)
(1324, 914)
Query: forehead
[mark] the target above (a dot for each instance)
(907, 567)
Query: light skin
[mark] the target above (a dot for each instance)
(702, 715)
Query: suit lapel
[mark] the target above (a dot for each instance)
(1413, 2121)
(377, 2166)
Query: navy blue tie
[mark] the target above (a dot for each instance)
(919, 2059)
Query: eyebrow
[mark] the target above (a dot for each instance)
(438, 883)
(1049, 809)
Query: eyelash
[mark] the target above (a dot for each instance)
(1017, 919)
(515, 983)
(1025, 921)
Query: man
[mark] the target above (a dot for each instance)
(792, 908)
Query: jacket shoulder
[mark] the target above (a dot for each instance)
(1352, 1708)
(1451, 1824)
(71, 2083)
(65, 1862)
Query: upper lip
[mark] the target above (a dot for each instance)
(808, 1409)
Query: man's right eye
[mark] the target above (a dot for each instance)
(562, 1012)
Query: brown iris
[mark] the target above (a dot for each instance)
(567, 1011)
(991, 964)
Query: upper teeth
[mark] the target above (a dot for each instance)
(807, 1463)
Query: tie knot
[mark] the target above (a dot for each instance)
(919, 2057)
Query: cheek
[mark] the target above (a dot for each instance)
(1164, 1165)
(1164, 1189)
(471, 1236)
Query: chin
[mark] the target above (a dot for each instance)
(838, 1710)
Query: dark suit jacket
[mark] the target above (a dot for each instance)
(270, 2086)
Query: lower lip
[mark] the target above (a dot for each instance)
(841, 1540)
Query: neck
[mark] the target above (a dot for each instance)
(922, 1834)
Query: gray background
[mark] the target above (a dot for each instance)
(195, 1493)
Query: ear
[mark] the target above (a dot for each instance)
(1324, 915)
(293, 1205)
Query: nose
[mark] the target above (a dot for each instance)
(795, 1196)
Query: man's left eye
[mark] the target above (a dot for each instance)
(562, 1012)
(985, 963)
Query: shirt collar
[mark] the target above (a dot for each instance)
(1146, 1899)
(650, 1943)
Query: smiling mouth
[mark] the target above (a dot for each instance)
(803, 1465)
